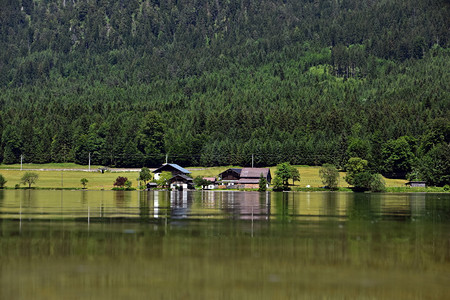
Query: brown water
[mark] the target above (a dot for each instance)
(224, 245)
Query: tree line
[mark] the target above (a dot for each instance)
(213, 82)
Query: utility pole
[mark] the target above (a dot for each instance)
(21, 161)
(252, 161)
(89, 161)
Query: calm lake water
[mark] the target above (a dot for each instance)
(223, 245)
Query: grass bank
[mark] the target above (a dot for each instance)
(71, 176)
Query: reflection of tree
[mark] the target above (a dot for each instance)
(2, 196)
(282, 206)
(120, 198)
(144, 206)
(359, 207)
(330, 200)
(436, 210)
(83, 197)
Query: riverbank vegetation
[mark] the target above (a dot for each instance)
(211, 83)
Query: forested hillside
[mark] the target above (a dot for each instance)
(211, 82)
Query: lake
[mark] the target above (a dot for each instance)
(223, 245)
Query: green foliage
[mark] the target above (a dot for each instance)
(199, 181)
(128, 184)
(129, 81)
(295, 174)
(434, 167)
(278, 185)
(3, 181)
(262, 183)
(377, 183)
(84, 182)
(399, 155)
(362, 181)
(330, 176)
(29, 178)
(354, 167)
(145, 175)
(285, 172)
(164, 178)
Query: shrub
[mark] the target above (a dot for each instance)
(120, 181)
(2, 181)
(84, 182)
(377, 183)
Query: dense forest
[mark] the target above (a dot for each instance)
(213, 82)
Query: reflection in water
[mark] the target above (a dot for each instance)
(226, 245)
(286, 207)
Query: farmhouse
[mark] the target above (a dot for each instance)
(245, 178)
(181, 181)
(230, 177)
(249, 177)
(172, 168)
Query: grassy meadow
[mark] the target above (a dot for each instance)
(51, 176)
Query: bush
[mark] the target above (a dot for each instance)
(2, 181)
(120, 181)
(377, 184)
(362, 181)
(330, 176)
(84, 182)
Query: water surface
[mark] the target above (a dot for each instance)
(191, 245)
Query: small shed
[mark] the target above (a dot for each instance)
(151, 185)
(417, 184)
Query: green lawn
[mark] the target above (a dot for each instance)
(71, 179)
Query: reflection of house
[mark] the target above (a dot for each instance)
(250, 177)
(172, 168)
(230, 176)
(181, 181)
(246, 177)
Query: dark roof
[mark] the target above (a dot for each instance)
(254, 172)
(168, 166)
(238, 171)
(182, 177)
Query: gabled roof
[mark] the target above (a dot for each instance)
(182, 177)
(254, 172)
(238, 171)
(168, 166)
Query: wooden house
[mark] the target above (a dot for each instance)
(230, 177)
(249, 177)
(181, 181)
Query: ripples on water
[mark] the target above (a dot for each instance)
(105, 244)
